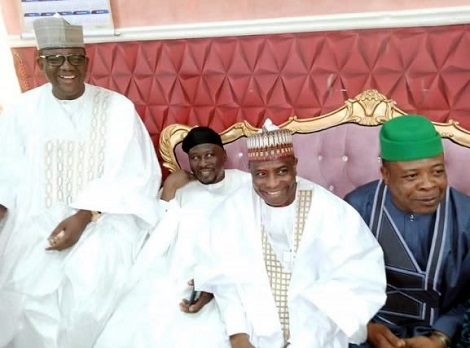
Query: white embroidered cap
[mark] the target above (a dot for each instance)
(271, 143)
(56, 32)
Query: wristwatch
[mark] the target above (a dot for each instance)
(441, 337)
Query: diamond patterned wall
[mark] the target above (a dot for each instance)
(218, 81)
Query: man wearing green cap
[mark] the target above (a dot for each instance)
(78, 181)
(423, 227)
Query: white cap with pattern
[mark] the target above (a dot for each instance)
(56, 32)
(271, 143)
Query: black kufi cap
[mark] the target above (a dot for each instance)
(201, 135)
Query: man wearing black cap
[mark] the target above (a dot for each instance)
(161, 273)
(206, 157)
(423, 226)
(78, 181)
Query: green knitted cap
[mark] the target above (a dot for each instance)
(409, 138)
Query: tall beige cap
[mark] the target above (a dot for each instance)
(56, 32)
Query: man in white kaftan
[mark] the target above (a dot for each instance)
(289, 263)
(148, 315)
(78, 181)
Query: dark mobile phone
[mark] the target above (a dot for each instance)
(194, 296)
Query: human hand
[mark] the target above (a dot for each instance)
(3, 212)
(424, 342)
(240, 340)
(196, 306)
(379, 336)
(173, 182)
(69, 231)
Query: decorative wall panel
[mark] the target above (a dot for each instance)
(219, 81)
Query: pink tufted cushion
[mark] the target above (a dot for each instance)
(457, 165)
(344, 157)
(339, 158)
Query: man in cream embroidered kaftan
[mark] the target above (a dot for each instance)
(335, 279)
(68, 149)
(149, 314)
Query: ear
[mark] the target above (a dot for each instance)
(294, 167)
(385, 174)
(250, 166)
(225, 155)
(40, 63)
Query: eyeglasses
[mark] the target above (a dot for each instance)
(57, 60)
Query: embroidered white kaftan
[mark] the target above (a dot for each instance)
(337, 278)
(58, 156)
(148, 315)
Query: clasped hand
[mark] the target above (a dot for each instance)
(240, 340)
(203, 299)
(69, 231)
(379, 336)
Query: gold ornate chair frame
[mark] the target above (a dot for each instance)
(369, 108)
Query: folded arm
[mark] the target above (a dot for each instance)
(131, 175)
(173, 182)
(350, 286)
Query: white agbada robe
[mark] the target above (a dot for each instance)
(337, 279)
(58, 156)
(149, 315)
